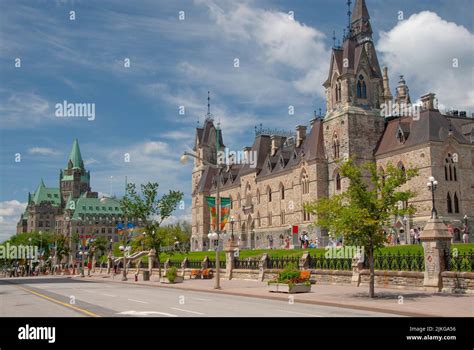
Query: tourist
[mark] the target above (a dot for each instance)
(465, 235)
(270, 241)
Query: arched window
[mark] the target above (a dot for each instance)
(361, 87)
(269, 193)
(338, 182)
(402, 168)
(449, 203)
(338, 91)
(450, 171)
(282, 191)
(456, 203)
(335, 145)
(304, 183)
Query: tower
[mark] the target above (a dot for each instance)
(74, 180)
(354, 94)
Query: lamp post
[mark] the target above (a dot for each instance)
(184, 159)
(405, 221)
(432, 186)
(232, 222)
(465, 220)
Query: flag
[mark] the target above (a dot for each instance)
(225, 211)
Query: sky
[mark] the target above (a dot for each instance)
(142, 63)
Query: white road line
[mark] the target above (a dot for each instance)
(201, 299)
(109, 295)
(138, 301)
(145, 313)
(191, 312)
(299, 313)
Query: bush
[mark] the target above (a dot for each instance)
(171, 273)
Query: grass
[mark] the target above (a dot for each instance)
(257, 253)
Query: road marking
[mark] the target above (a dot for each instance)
(191, 312)
(299, 313)
(89, 313)
(109, 295)
(201, 299)
(145, 313)
(138, 301)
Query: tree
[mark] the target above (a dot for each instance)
(150, 210)
(61, 243)
(99, 247)
(360, 213)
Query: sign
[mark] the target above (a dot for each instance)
(294, 229)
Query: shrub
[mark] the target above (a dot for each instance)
(171, 273)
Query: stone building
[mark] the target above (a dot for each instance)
(72, 208)
(294, 168)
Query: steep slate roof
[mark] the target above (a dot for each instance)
(94, 206)
(360, 11)
(75, 156)
(432, 126)
(46, 194)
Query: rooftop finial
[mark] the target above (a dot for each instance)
(334, 38)
(208, 103)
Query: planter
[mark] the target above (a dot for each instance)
(287, 288)
(178, 279)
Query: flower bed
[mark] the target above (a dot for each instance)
(291, 280)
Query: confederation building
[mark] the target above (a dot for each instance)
(72, 208)
(295, 168)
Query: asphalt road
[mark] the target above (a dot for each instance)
(66, 297)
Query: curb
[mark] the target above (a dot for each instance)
(282, 298)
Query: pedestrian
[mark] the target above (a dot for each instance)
(465, 235)
(270, 241)
(412, 236)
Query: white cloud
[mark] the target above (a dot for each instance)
(90, 161)
(23, 109)
(10, 212)
(423, 48)
(43, 151)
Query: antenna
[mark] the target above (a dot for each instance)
(208, 103)
(333, 38)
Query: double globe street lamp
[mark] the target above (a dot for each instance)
(215, 235)
(432, 185)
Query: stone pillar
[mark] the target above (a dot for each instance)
(205, 262)
(230, 249)
(304, 261)
(151, 260)
(109, 262)
(262, 266)
(184, 264)
(165, 266)
(436, 243)
(357, 267)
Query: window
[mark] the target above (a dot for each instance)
(456, 203)
(449, 204)
(450, 171)
(306, 215)
(269, 192)
(282, 217)
(304, 183)
(338, 182)
(335, 145)
(361, 87)
(282, 191)
(103, 230)
(84, 208)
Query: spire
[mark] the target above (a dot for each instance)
(403, 94)
(75, 156)
(360, 11)
(42, 183)
(208, 103)
(387, 94)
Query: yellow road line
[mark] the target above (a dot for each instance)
(89, 313)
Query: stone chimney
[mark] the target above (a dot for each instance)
(428, 101)
(387, 94)
(276, 143)
(300, 134)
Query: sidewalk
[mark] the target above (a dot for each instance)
(398, 302)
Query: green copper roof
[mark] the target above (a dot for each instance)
(46, 194)
(75, 156)
(94, 206)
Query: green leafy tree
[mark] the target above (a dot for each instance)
(61, 243)
(150, 210)
(360, 213)
(99, 247)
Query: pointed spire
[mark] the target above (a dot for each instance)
(75, 156)
(360, 11)
(42, 183)
(208, 103)
(387, 94)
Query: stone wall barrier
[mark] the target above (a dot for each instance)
(304, 261)
(262, 266)
(184, 264)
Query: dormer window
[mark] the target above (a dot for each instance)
(400, 136)
(361, 88)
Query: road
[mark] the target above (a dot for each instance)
(66, 297)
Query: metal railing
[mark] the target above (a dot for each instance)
(398, 262)
(249, 264)
(323, 263)
(282, 262)
(461, 262)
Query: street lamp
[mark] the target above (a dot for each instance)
(465, 220)
(184, 159)
(405, 220)
(432, 186)
(232, 222)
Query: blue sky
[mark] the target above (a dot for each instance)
(175, 62)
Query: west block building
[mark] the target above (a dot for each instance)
(294, 168)
(72, 208)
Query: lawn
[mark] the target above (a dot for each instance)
(247, 253)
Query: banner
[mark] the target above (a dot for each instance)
(225, 211)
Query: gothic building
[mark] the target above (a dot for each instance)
(268, 199)
(72, 208)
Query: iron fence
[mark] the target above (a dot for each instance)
(194, 264)
(398, 262)
(461, 262)
(282, 262)
(323, 263)
(250, 264)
